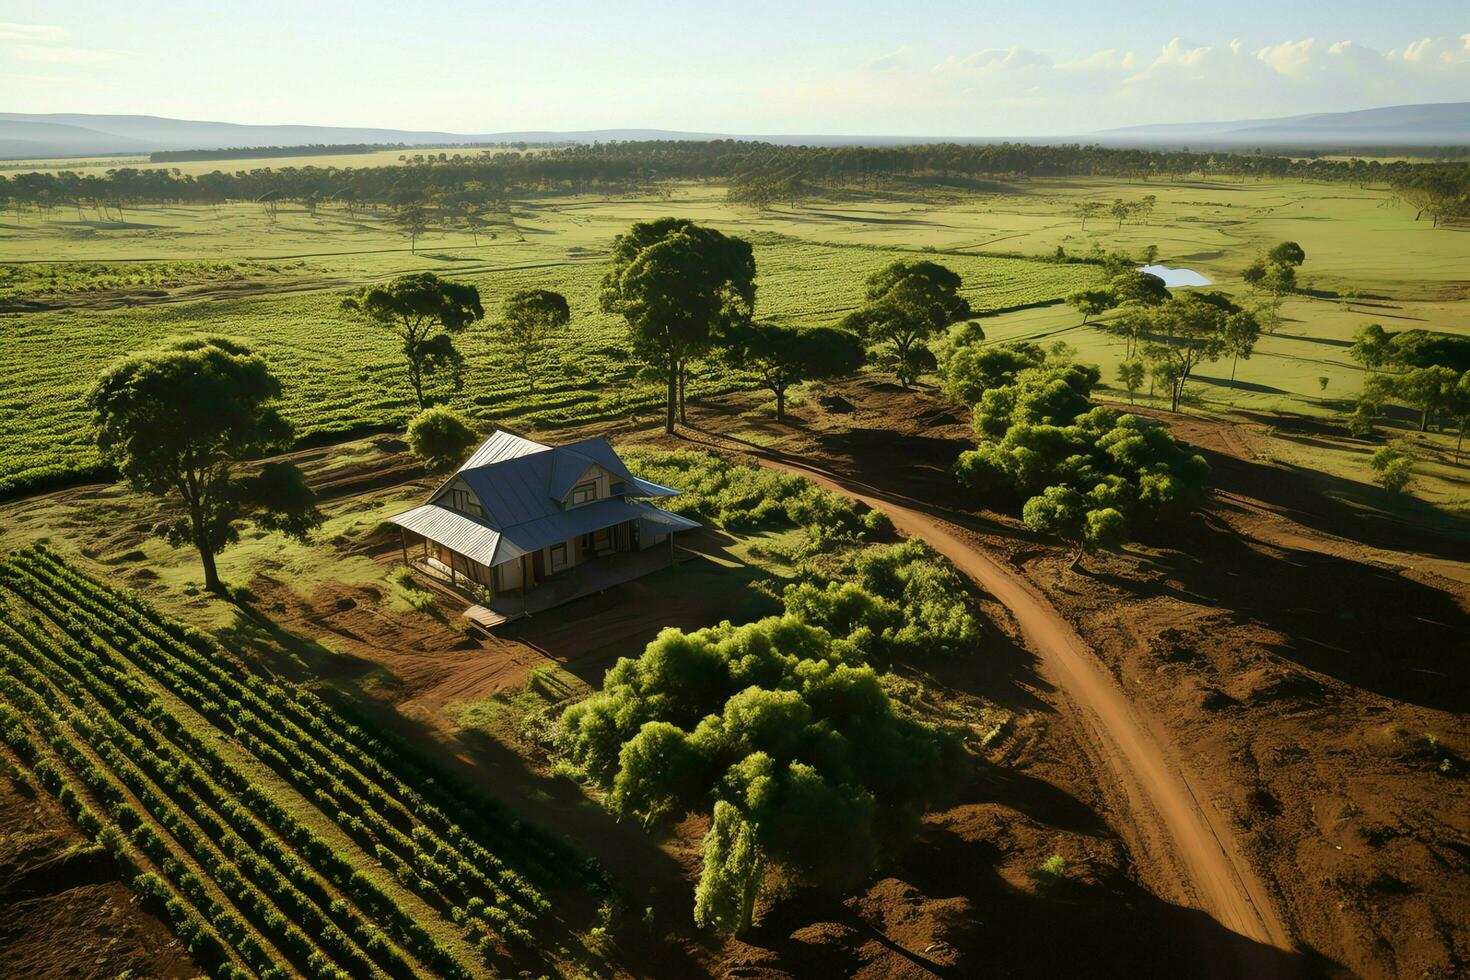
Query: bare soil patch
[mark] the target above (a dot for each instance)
(65, 911)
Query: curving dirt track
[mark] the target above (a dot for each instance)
(1177, 834)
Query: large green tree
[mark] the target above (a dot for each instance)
(528, 320)
(785, 355)
(426, 313)
(678, 285)
(1194, 328)
(905, 304)
(178, 421)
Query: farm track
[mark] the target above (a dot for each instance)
(1181, 839)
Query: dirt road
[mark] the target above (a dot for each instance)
(1177, 834)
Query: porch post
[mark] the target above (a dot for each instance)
(403, 543)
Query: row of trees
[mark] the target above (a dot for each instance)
(688, 292)
(765, 169)
(1168, 335)
(1427, 372)
(1441, 192)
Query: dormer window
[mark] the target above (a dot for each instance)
(619, 488)
(463, 501)
(583, 493)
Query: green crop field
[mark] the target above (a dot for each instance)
(265, 826)
(117, 285)
(280, 287)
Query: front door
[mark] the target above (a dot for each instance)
(559, 556)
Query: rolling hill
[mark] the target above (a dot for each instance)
(31, 136)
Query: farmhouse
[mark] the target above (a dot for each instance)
(521, 516)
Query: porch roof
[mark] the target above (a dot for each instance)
(480, 542)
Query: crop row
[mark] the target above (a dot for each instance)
(88, 665)
(446, 805)
(349, 377)
(271, 902)
(416, 861)
(363, 809)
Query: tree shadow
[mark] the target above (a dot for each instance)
(1100, 924)
(1238, 385)
(1340, 506)
(1322, 605)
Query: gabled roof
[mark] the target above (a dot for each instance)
(521, 485)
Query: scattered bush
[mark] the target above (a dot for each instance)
(440, 437)
(1395, 469)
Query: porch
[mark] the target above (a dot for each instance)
(585, 578)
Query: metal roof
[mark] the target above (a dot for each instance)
(521, 485)
(501, 446)
(456, 531)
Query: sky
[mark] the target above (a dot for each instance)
(925, 67)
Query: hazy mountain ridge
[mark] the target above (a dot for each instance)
(28, 135)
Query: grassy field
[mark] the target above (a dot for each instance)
(285, 276)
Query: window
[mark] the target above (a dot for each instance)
(463, 501)
(558, 556)
(584, 493)
(619, 488)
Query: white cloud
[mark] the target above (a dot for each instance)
(890, 61)
(30, 32)
(63, 55)
(1022, 91)
(1290, 57)
(1110, 60)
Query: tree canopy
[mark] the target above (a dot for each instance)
(426, 312)
(1194, 328)
(795, 748)
(177, 421)
(905, 304)
(1090, 476)
(678, 285)
(786, 355)
(528, 320)
(440, 437)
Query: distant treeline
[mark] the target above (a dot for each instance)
(261, 152)
(757, 172)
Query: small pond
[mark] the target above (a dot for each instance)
(1175, 277)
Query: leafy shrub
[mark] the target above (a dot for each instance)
(902, 600)
(440, 437)
(772, 724)
(1395, 468)
(740, 497)
(1087, 476)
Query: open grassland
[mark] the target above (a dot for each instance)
(274, 834)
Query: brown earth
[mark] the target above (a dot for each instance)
(65, 911)
(1288, 648)
(1292, 647)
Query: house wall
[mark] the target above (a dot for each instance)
(571, 557)
(457, 495)
(596, 475)
(509, 575)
